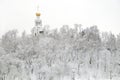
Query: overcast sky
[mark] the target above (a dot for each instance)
(20, 14)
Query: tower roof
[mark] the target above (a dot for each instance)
(38, 12)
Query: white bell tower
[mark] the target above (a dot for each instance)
(38, 29)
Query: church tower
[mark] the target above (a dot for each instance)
(38, 29)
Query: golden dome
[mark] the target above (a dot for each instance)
(38, 14)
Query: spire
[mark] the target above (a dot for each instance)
(38, 13)
(38, 8)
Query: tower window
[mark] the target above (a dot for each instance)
(35, 34)
(41, 31)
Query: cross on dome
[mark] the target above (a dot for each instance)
(38, 13)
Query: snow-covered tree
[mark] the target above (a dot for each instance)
(9, 41)
(59, 54)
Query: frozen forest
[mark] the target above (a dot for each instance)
(60, 54)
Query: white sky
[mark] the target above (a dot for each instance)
(20, 14)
